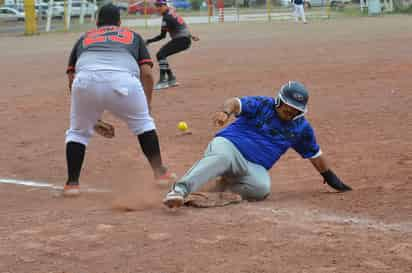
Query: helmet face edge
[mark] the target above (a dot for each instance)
(295, 95)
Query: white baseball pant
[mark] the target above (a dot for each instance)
(94, 92)
(299, 12)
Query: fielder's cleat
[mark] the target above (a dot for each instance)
(161, 85)
(71, 190)
(172, 82)
(166, 179)
(174, 199)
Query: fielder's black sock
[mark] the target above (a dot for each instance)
(149, 142)
(170, 75)
(74, 157)
(162, 76)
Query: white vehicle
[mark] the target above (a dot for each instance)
(322, 3)
(58, 9)
(89, 8)
(10, 14)
(317, 3)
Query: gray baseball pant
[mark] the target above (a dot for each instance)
(222, 158)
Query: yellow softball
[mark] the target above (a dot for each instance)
(182, 126)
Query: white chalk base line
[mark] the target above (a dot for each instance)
(36, 184)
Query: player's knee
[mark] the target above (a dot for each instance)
(251, 192)
(262, 191)
(78, 136)
(259, 191)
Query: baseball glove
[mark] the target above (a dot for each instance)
(212, 199)
(104, 129)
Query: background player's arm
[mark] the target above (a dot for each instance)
(146, 78)
(159, 37)
(231, 106)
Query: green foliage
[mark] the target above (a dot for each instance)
(402, 6)
(196, 4)
(406, 10)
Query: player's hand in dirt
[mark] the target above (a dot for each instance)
(220, 119)
(195, 38)
(332, 180)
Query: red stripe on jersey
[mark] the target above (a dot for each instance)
(146, 61)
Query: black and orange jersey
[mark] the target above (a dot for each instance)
(109, 48)
(174, 24)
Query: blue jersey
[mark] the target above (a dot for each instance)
(262, 137)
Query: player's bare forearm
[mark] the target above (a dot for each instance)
(146, 78)
(70, 77)
(320, 163)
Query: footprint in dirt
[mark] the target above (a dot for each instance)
(375, 264)
(403, 251)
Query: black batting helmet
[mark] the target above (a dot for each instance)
(295, 95)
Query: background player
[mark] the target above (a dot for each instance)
(110, 69)
(299, 10)
(181, 40)
(243, 152)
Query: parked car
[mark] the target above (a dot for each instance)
(181, 4)
(123, 6)
(139, 7)
(10, 14)
(58, 9)
(89, 8)
(322, 3)
(318, 3)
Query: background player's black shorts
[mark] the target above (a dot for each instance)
(173, 46)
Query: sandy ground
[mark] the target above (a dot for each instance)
(358, 71)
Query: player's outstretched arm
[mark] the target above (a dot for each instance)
(328, 175)
(159, 37)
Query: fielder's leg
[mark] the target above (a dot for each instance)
(131, 107)
(74, 159)
(172, 47)
(149, 142)
(85, 111)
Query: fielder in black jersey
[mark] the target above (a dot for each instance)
(181, 40)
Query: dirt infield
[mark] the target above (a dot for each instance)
(359, 74)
